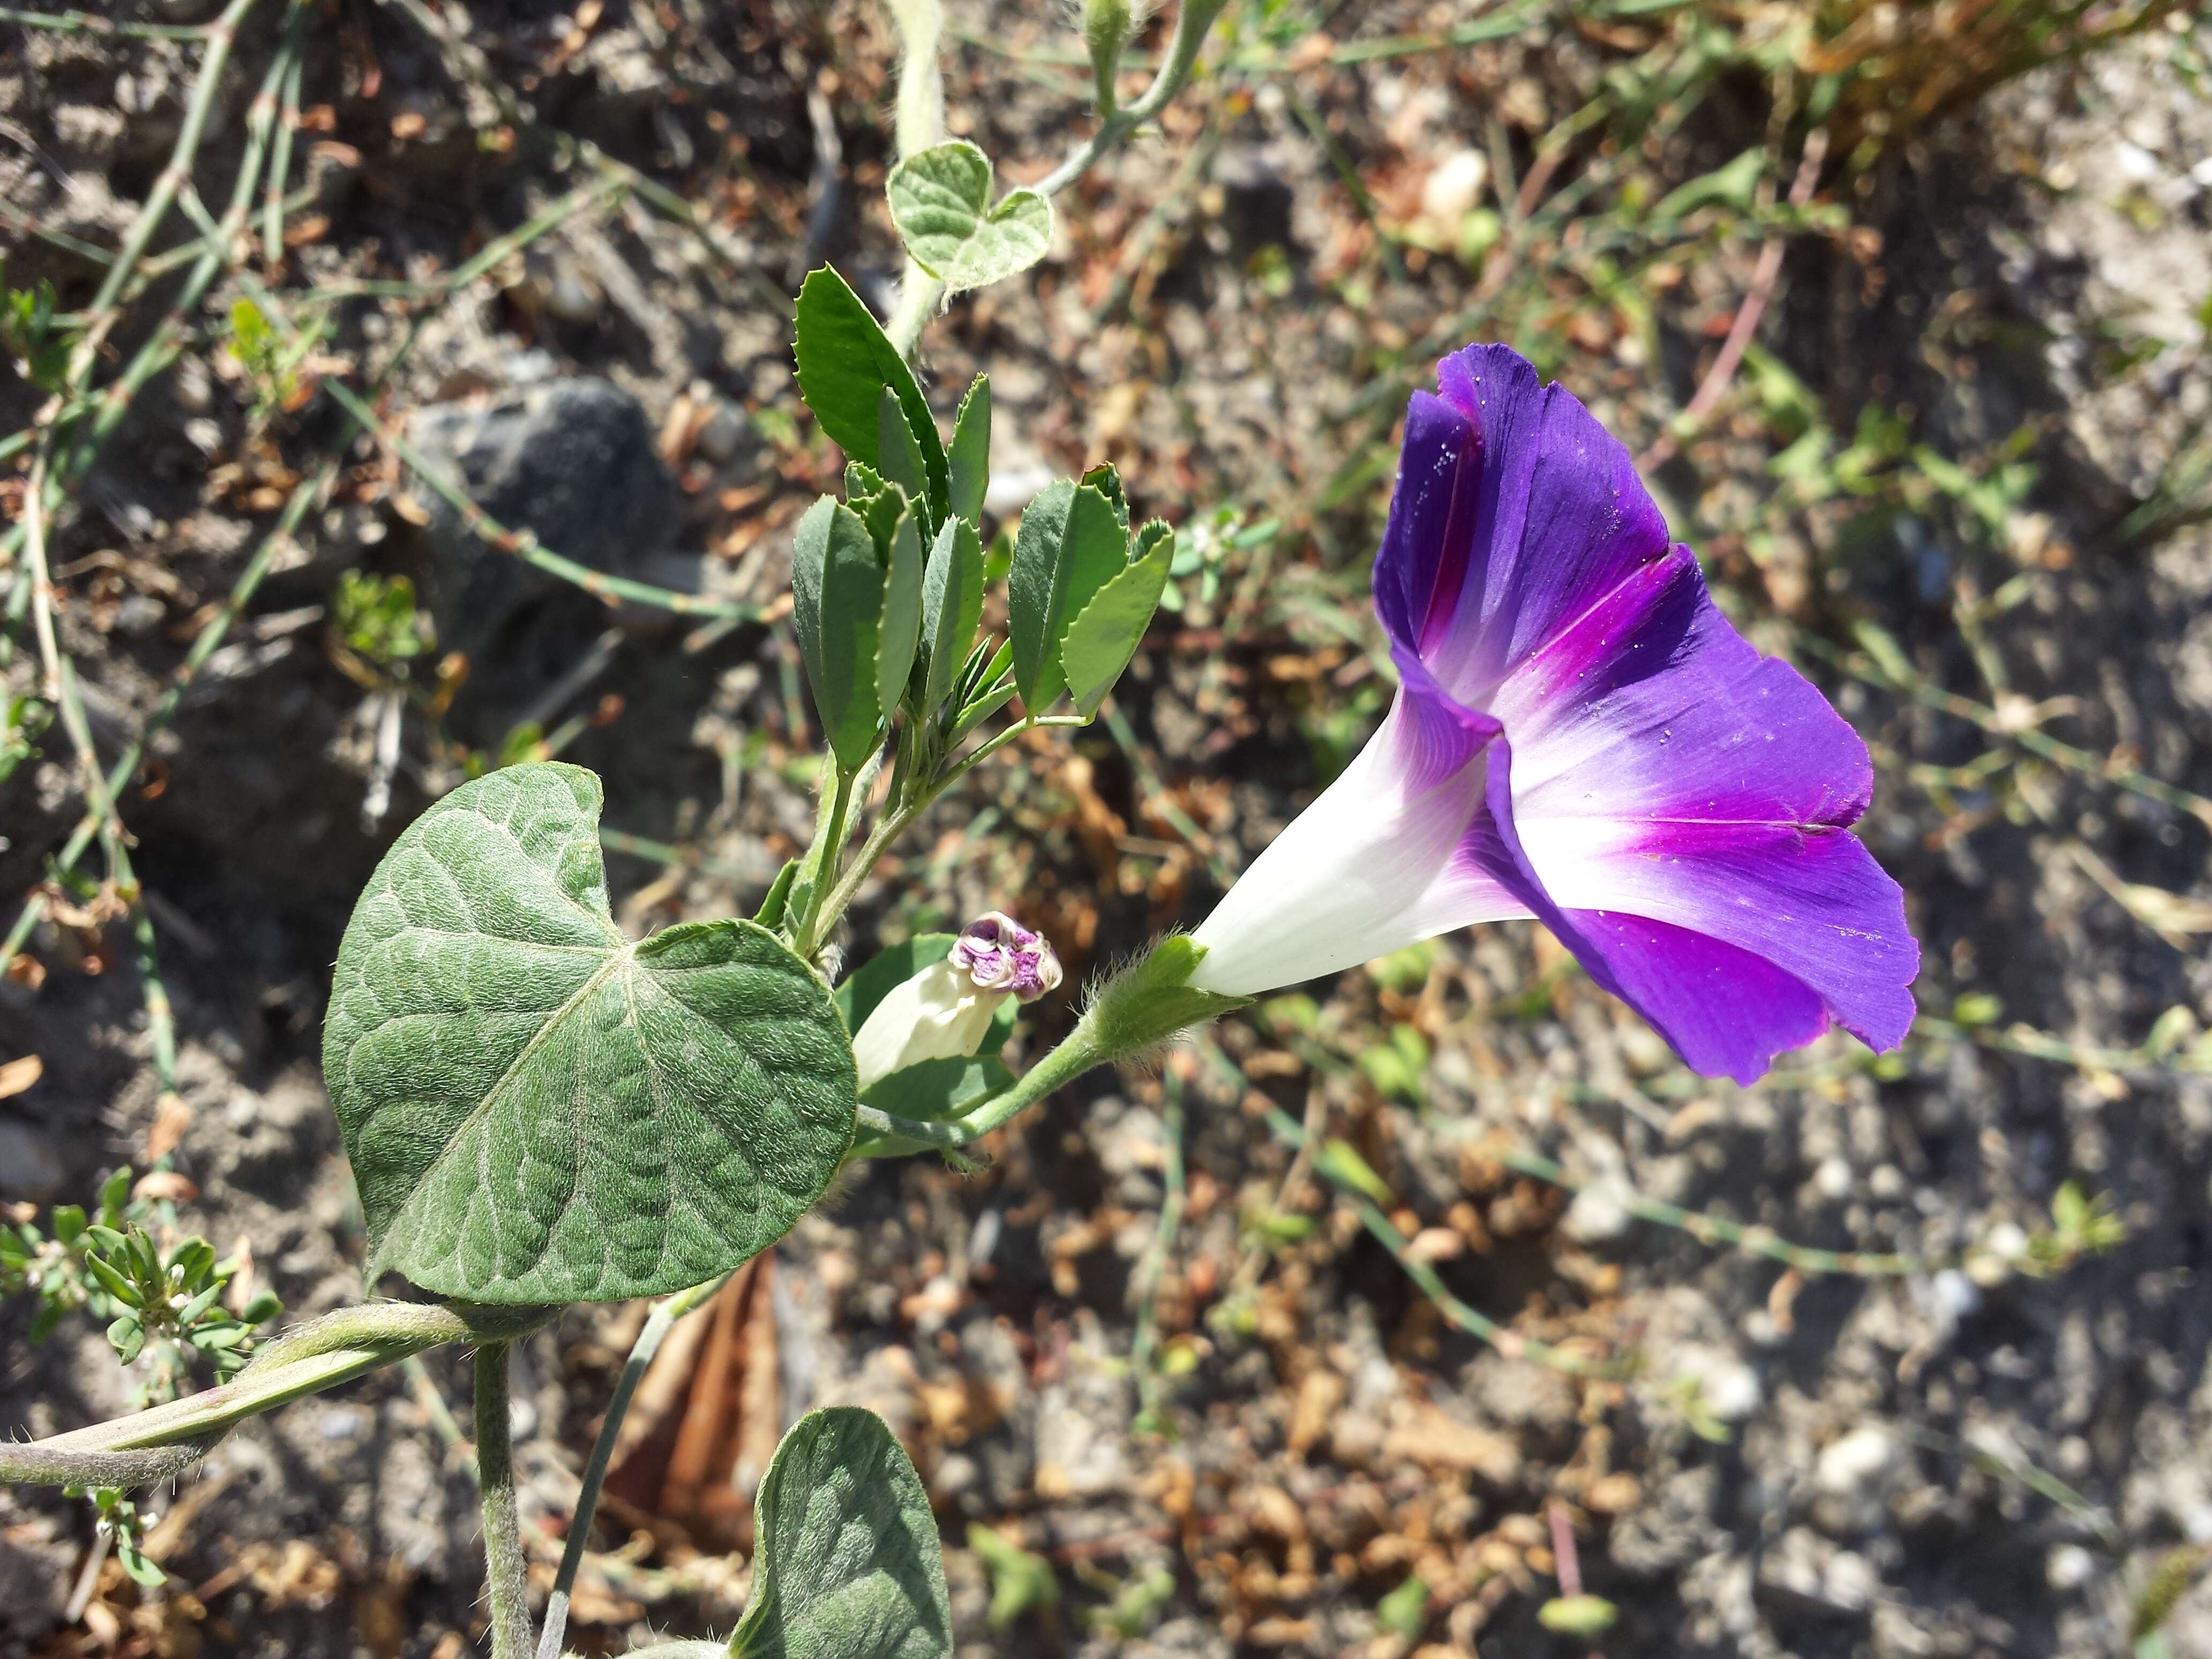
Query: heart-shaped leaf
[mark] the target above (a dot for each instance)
(538, 1111)
(941, 202)
(850, 1565)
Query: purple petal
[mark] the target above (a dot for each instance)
(1733, 958)
(1558, 520)
(1650, 707)
(1430, 536)
(1664, 770)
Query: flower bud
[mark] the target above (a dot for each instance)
(943, 1012)
(1108, 27)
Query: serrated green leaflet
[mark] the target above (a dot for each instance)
(902, 457)
(951, 606)
(901, 625)
(1071, 543)
(970, 457)
(941, 202)
(538, 1111)
(845, 361)
(848, 1566)
(1104, 637)
(837, 609)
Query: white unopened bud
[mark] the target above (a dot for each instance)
(944, 1011)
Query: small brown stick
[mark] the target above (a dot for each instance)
(1747, 315)
(1563, 1551)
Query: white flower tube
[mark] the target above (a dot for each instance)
(943, 1012)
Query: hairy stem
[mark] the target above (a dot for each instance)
(152, 1445)
(920, 124)
(641, 1352)
(920, 292)
(506, 1574)
(821, 860)
(896, 819)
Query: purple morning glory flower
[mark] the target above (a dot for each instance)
(1581, 737)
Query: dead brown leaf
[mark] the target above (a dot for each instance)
(20, 1074)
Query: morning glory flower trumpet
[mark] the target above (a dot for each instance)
(1580, 736)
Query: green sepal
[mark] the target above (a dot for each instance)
(1150, 1001)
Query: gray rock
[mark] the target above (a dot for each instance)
(37, 1568)
(29, 1166)
(573, 461)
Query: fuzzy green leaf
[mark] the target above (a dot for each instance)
(969, 459)
(850, 1565)
(845, 361)
(951, 606)
(538, 1111)
(1071, 544)
(941, 202)
(837, 610)
(1102, 639)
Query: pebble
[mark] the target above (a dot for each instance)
(2068, 1567)
(1852, 1480)
(724, 434)
(1454, 185)
(1599, 1213)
